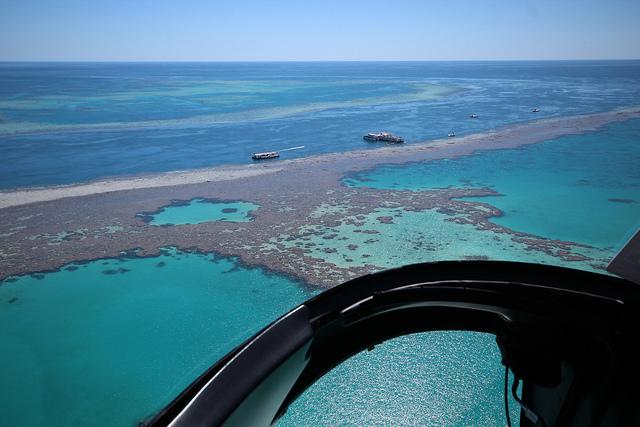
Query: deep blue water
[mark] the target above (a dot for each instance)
(173, 116)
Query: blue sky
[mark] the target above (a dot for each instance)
(254, 30)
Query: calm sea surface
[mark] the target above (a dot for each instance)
(65, 123)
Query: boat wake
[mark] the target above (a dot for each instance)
(292, 148)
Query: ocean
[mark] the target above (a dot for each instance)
(72, 122)
(110, 340)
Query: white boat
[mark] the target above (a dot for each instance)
(473, 115)
(535, 110)
(451, 134)
(265, 155)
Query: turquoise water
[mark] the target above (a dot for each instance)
(415, 237)
(198, 210)
(424, 379)
(580, 188)
(110, 342)
(127, 335)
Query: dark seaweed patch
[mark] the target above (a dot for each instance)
(385, 219)
(116, 271)
(476, 257)
(626, 201)
(234, 269)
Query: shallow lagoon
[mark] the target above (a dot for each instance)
(110, 342)
(129, 334)
(198, 210)
(580, 188)
(392, 237)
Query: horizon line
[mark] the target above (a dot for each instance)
(303, 60)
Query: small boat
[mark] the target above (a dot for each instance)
(473, 116)
(451, 134)
(383, 136)
(535, 110)
(265, 155)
